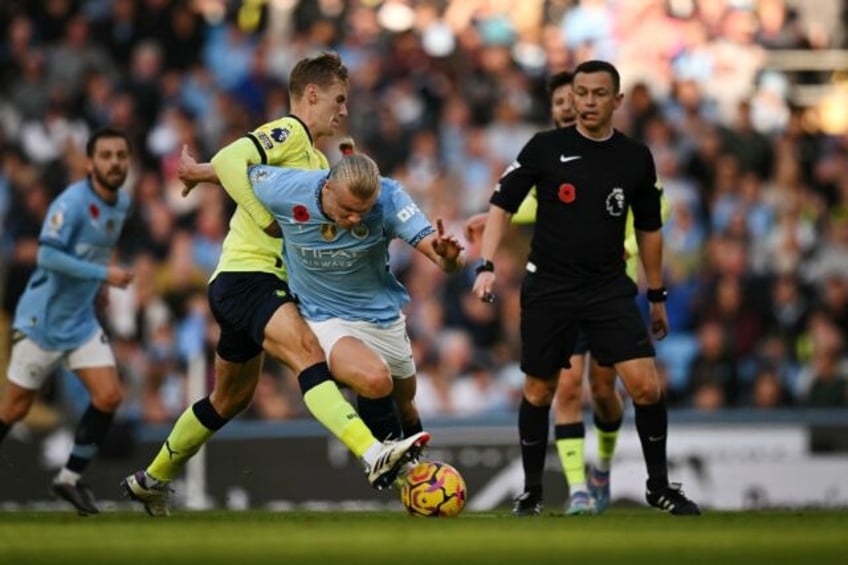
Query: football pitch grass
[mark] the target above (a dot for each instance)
(242, 538)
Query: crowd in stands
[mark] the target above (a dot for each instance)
(443, 95)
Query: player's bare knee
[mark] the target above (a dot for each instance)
(107, 400)
(539, 392)
(603, 392)
(297, 350)
(645, 391)
(376, 383)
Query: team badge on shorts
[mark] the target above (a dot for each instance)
(615, 202)
(329, 231)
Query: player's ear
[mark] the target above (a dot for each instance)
(618, 99)
(311, 93)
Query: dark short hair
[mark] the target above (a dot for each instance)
(104, 133)
(597, 66)
(322, 70)
(561, 78)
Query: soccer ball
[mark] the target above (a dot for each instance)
(433, 489)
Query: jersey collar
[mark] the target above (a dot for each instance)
(306, 129)
(586, 137)
(318, 201)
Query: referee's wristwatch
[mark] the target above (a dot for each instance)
(657, 294)
(484, 266)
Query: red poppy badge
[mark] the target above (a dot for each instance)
(567, 193)
(300, 213)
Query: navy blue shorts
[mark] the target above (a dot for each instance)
(242, 304)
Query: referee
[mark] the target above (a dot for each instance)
(586, 177)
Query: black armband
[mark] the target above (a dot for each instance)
(485, 265)
(657, 294)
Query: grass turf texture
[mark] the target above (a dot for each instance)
(241, 538)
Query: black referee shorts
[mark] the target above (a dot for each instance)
(242, 304)
(581, 347)
(552, 322)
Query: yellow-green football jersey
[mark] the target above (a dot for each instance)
(284, 142)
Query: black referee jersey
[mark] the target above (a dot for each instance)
(584, 189)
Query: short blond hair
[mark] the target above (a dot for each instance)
(359, 172)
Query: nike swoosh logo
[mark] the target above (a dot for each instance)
(564, 159)
(656, 438)
(526, 443)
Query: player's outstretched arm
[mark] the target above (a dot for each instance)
(55, 259)
(230, 165)
(443, 249)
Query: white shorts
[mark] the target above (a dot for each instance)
(391, 343)
(30, 365)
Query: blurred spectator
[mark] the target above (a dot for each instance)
(478, 391)
(713, 378)
(46, 139)
(825, 379)
(768, 391)
(70, 60)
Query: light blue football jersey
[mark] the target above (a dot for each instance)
(56, 310)
(335, 272)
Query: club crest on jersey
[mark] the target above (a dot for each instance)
(56, 220)
(280, 134)
(360, 231)
(110, 225)
(329, 231)
(615, 202)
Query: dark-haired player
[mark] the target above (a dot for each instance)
(587, 177)
(55, 320)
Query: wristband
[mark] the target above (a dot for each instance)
(485, 265)
(657, 294)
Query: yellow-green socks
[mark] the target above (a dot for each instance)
(570, 440)
(193, 428)
(607, 439)
(326, 403)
